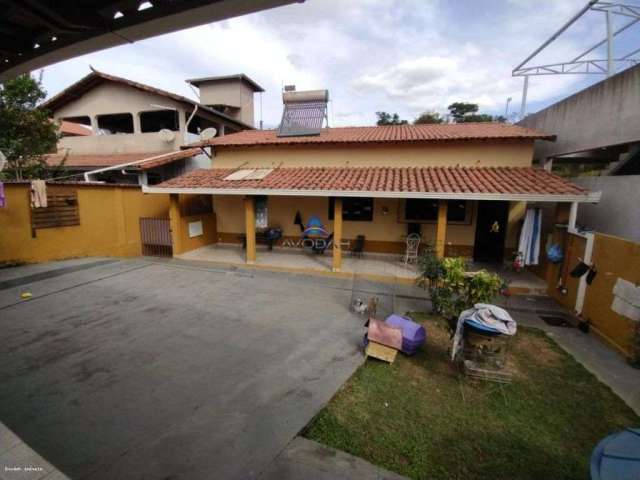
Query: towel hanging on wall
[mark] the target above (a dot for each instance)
(529, 245)
(38, 194)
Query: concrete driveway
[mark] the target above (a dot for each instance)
(135, 369)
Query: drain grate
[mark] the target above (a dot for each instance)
(556, 320)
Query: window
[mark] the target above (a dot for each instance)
(426, 211)
(61, 211)
(156, 120)
(115, 123)
(82, 120)
(354, 209)
(262, 217)
(421, 210)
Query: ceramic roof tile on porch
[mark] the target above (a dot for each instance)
(384, 134)
(489, 183)
(147, 160)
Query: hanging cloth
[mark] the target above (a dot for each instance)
(529, 245)
(3, 199)
(38, 194)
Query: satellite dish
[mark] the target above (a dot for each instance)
(167, 135)
(208, 134)
(3, 161)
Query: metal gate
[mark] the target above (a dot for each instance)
(155, 234)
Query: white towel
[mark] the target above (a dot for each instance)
(38, 194)
(529, 245)
(626, 299)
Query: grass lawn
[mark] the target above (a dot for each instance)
(419, 418)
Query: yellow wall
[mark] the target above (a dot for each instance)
(109, 224)
(470, 154)
(384, 234)
(614, 258)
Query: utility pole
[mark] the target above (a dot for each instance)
(523, 105)
(506, 110)
(609, 44)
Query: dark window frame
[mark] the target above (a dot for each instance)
(100, 118)
(76, 119)
(433, 216)
(354, 209)
(176, 120)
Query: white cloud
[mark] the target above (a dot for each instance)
(402, 56)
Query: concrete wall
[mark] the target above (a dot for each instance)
(232, 92)
(607, 113)
(470, 154)
(109, 98)
(618, 212)
(109, 223)
(116, 98)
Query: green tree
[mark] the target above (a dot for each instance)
(385, 118)
(428, 118)
(26, 132)
(459, 110)
(463, 112)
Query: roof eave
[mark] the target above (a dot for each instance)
(215, 145)
(589, 197)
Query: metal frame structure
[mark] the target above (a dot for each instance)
(579, 65)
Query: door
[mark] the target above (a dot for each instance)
(155, 234)
(491, 230)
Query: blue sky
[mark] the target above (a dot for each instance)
(404, 56)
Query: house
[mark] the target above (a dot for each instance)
(109, 121)
(463, 187)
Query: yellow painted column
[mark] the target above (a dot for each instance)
(175, 223)
(250, 228)
(441, 230)
(337, 235)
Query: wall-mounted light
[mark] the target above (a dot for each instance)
(385, 210)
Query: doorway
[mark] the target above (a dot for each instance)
(491, 230)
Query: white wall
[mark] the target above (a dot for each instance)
(618, 212)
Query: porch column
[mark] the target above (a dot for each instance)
(441, 228)
(175, 223)
(337, 235)
(250, 228)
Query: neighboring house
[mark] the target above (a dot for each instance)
(463, 187)
(129, 122)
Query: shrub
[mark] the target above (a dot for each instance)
(451, 288)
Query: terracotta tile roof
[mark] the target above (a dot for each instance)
(54, 159)
(74, 129)
(169, 158)
(433, 180)
(386, 134)
(99, 161)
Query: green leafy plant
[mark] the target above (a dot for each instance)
(430, 268)
(451, 288)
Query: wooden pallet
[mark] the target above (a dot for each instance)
(473, 370)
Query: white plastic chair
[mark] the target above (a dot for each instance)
(413, 245)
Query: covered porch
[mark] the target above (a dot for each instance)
(469, 212)
(389, 268)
